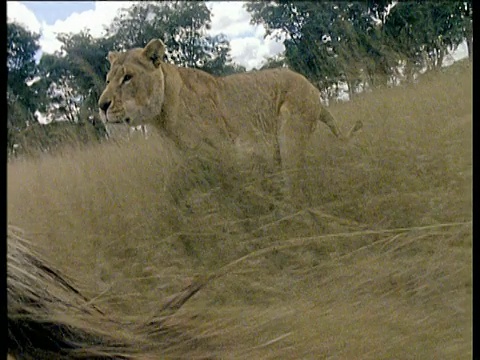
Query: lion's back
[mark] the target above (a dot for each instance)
(245, 103)
(259, 95)
(257, 91)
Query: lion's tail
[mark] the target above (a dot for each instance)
(330, 121)
(357, 126)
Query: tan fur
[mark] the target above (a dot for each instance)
(192, 106)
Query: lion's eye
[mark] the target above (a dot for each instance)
(108, 82)
(127, 78)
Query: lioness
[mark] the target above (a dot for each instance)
(191, 106)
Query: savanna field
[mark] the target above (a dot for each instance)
(377, 264)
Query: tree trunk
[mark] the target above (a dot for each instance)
(350, 90)
(440, 56)
(470, 47)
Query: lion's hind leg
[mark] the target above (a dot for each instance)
(292, 136)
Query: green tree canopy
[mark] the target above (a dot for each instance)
(357, 42)
(326, 41)
(422, 32)
(22, 45)
(182, 26)
(76, 72)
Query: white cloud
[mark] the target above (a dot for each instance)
(461, 52)
(19, 13)
(229, 18)
(48, 41)
(246, 51)
(252, 52)
(94, 20)
(249, 47)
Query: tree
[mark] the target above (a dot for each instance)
(464, 12)
(188, 25)
(218, 60)
(73, 78)
(275, 61)
(22, 93)
(422, 32)
(137, 25)
(358, 42)
(182, 26)
(328, 42)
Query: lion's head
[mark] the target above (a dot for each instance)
(135, 87)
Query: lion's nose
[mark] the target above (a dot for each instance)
(104, 105)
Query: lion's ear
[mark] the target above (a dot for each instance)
(112, 56)
(154, 51)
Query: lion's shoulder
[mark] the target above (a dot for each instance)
(195, 80)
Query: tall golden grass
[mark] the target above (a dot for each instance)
(377, 265)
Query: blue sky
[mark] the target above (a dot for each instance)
(51, 11)
(249, 47)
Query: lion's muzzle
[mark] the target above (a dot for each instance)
(104, 105)
(109, 115)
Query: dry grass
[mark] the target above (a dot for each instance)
(48, 317)
(378, 265)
